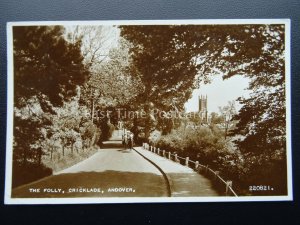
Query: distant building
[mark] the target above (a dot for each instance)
(203, 112)
(201, 117)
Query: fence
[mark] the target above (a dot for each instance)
(219, 182)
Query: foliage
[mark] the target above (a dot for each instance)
(166, 69)
(58, 163)
(262, 119)
(45, 65)
(111, 85)
(206, 145)
(71, 138)
(106, 127)
(171, 60)
(95, 43)
(47, 71)
(26, 135)
(151, 70)
(227, 114)
(154, 137)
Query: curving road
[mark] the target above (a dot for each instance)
(111, 172)
(116, 172)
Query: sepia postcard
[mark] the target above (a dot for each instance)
(148, 111)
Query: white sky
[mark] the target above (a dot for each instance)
(219, 92)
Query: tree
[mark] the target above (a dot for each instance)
(46, 65)
(47, 72)
(165, 68)
(96, 41)
(111, 84)
(227, 113)
(215, 118)
(171, 60)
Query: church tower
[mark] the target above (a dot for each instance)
(203, 108)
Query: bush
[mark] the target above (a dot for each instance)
(154, 137)
(197, 143)
(59, 163)
(208, 146)
(106, 128)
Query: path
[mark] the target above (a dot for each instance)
(115, 172)
(184, 181)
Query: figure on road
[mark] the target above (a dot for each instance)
(125, 140)
(130, 141)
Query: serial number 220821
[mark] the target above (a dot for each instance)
(260, 188)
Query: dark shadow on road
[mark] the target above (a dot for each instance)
(138, 184)
(125, 150)
(111, 144)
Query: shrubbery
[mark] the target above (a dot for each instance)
(208, 146)
(106, 128)
(72, 144)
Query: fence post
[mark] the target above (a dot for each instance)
(176, 158)
(169, 155)
(196, 165)
(158, 151)
(206, 169)
(187, 161)
(164, 153)
(150, 148)
(228, 184)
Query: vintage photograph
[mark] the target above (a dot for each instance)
(148, 111)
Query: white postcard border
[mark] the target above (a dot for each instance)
(10, 103)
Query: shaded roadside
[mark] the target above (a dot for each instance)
(110, 184)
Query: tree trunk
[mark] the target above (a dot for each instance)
(93, 105)
(226, 130)
(39, 156)
(92, 111)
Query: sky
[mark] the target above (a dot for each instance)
(219, 92)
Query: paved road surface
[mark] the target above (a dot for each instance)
(115, 172)
(184, 181)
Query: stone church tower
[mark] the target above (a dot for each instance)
(203, 108)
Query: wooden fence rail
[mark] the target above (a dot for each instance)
(203, 169)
